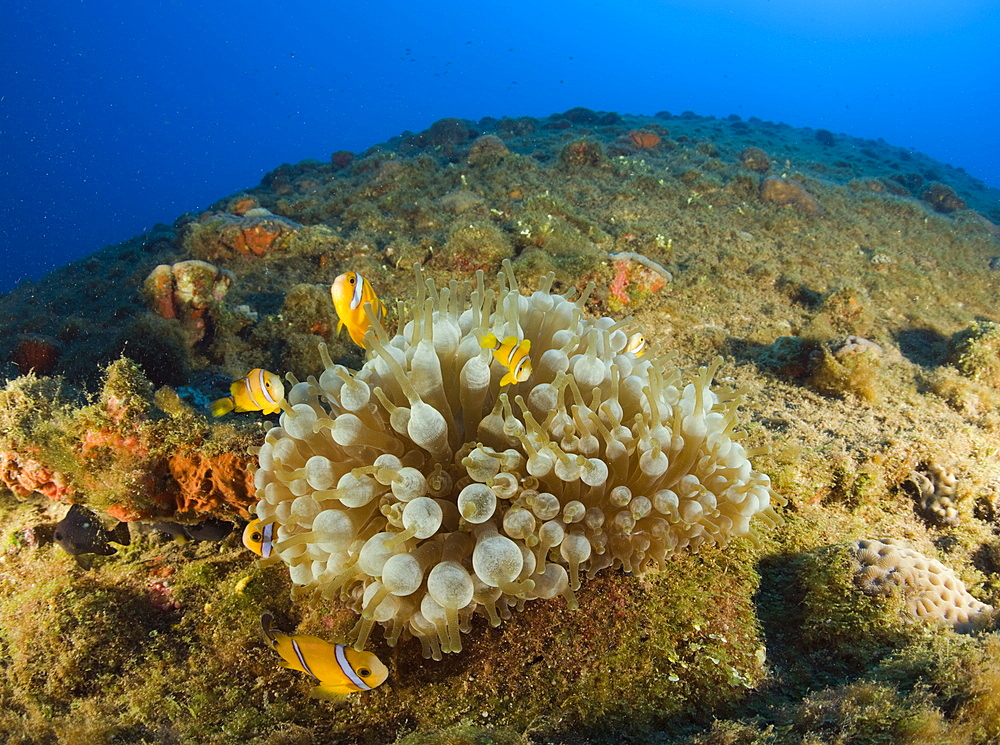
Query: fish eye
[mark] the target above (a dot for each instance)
(255, 537)
(364, 672)
(59, 536)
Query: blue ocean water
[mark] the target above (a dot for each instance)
(115, 116)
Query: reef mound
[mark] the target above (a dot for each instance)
(848, 286)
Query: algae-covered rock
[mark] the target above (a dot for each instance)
(120, 453)
(476, 245)
(975, 351)
(838, 614)
(847, 367)
(755, 159)
(582, 153)
(487, 150)
(256, 233)
(789, 193)
(942, 198)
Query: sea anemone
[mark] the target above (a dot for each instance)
(420, 491)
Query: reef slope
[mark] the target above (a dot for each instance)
(849, 286)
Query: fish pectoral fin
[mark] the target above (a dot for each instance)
(507, 379)
(329, 693)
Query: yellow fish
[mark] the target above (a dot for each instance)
(512, 354)
(259, 538)
(636, 344)
(340, 670)
(350, 292)
(260, 390)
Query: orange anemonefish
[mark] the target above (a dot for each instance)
(260, 390)
(636, 344)
(340, 670)
(512, 354)
(350, 292)
(260, 538)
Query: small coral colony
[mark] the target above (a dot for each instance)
(494, 451)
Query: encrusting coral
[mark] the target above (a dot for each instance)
(936, 494)
(930, 589)
(420, 490)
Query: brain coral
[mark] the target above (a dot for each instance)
(931, 590)
(936, 494)
(420, 492)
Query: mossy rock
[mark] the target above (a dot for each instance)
(841, 624)
(975, 351)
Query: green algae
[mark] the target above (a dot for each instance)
(203, 666)
(854, 374)
(475, 245)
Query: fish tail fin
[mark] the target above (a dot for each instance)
(267, 627)
(120, 534)
(222, 406)
(329, 693)
(488, 341)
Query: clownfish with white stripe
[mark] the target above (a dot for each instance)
(512, 354)
(636, 344)
(339, 669)
(350, 292)
(259, 538)
(260, 390)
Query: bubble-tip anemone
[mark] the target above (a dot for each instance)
(419, 491)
